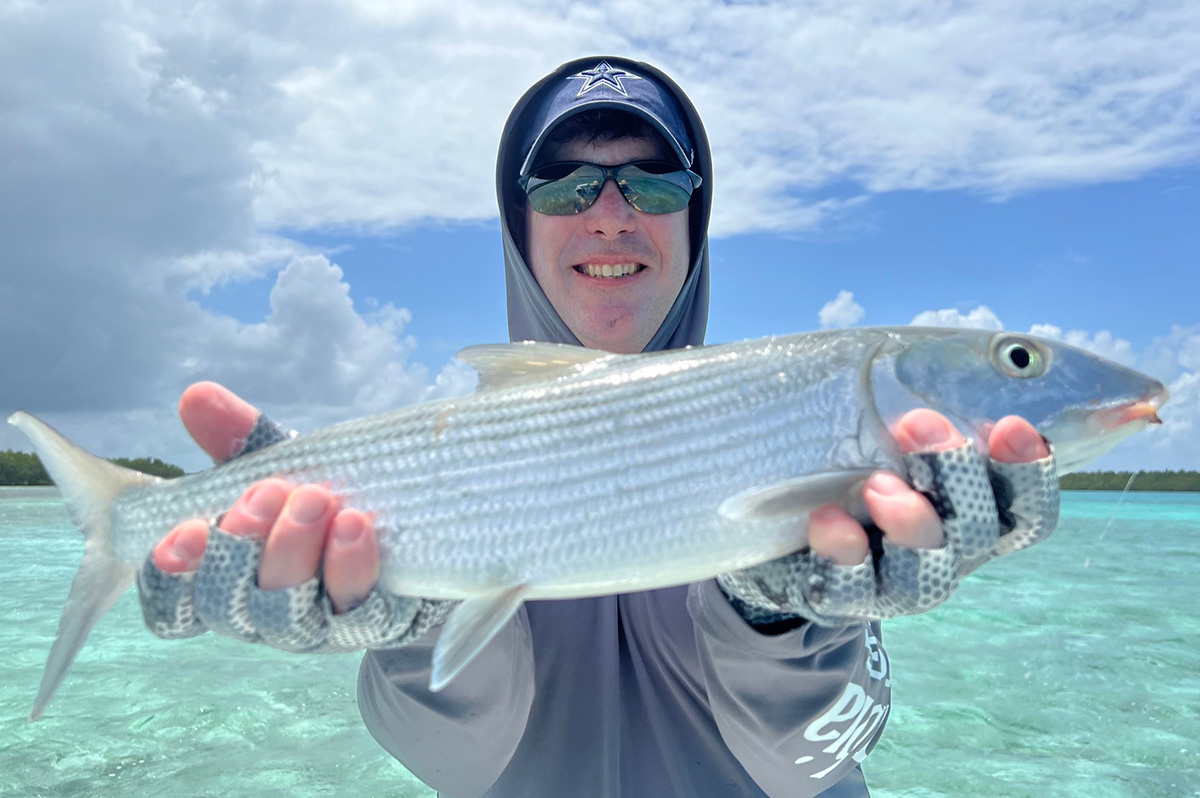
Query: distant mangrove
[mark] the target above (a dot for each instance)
(23, 468)
(1145, 480)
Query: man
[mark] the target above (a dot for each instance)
(749, 685)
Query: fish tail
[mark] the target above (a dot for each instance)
(89, 485)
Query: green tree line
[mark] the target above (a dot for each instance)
(1145, 480)
(23, 468)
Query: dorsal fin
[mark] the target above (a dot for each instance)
(506, 365)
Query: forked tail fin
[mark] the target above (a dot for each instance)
(89, 485)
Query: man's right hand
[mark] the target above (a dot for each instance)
(302, 526)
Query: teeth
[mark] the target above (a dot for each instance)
(610, 269)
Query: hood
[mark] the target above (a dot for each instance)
(531, 317)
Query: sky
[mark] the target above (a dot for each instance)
(297, 200)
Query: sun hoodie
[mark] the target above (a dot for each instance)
(662, 693)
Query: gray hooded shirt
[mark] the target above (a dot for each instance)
(662, 693)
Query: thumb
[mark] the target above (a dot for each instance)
(217, 419)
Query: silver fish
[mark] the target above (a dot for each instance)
(572, 472)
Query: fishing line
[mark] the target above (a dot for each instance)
(1120, 501)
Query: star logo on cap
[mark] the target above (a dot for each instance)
(603, 74)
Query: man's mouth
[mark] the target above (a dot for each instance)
(610, 270)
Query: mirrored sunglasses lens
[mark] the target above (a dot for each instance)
(574, 194)
(655, 195)
(650, 187)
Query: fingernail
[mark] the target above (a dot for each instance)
(348, 528)
(1021, 448)
(189, 548)
(932, 435)
(307, 506)
(266, 501)
(887, 484)
(1026, 448)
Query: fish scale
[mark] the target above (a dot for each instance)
(576, 473)
(607, 464)
(662, 444)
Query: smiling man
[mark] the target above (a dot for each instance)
(767, 682)
(611, 272)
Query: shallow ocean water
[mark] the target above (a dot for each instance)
(1072, 669)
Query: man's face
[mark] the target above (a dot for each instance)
(648, 251)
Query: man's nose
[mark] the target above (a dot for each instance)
(610, 214)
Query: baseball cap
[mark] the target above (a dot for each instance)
(606, 82)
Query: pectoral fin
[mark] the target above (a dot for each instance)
(469, 628)
(796, 498)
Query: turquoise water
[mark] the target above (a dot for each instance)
(1072, 669)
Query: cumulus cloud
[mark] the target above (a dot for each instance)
(366, 115)
(312, 361)
(1177, 350)
(1174, 358)
(841, 312)
(150, 157)
(1102, 343)
(981, 318)
(1182, 417)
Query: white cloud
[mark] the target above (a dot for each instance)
(312, 361)
(1175, 359)
(981, 318)
(1102, 343)
(366, 115)
(841, 312)
(1178, 349)
(149, 157)
(455, 379)
(1181, 421)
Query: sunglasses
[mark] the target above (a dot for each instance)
(567, 187)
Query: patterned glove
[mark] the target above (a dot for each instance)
(223, 595)
(988, 509)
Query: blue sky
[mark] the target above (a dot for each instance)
(1117, 256)
(299, 202)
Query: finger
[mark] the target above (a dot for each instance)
(1014, 440)
(905, 516)
(293, 550)
(254, 514)
(834, 534)
(957, 483)
(351, 560)
(926, 430)
(183, 547)
(217, 419)
(167, 596)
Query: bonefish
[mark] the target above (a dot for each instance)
(572, 472)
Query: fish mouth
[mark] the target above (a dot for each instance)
(1097, 430)
(1136, 414)
(1114, 417)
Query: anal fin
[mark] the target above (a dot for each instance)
(469, 628)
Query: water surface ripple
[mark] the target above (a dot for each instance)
(1072, 669)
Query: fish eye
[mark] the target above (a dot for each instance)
(1018, 357)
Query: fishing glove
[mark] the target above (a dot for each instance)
(223, 595)
(988, 509)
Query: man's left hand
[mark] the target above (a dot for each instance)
(987, 506)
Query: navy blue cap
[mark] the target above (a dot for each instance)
(608, 85)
